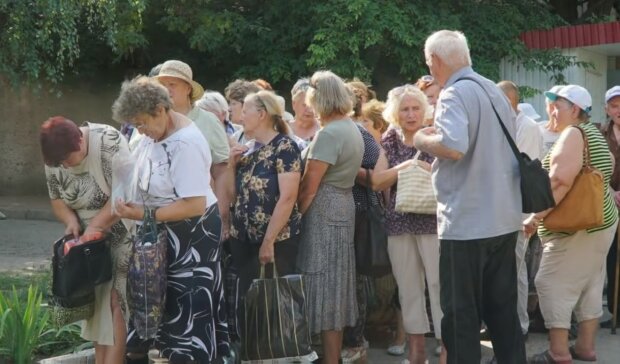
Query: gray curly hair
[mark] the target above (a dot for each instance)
(141, 95)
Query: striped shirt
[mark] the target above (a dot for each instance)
(601, 160)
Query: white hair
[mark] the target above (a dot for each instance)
(450, 46)
(213, 101)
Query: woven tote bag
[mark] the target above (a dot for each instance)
(414, 192)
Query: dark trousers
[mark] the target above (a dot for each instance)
(246, 263)
(611, 274)
(479, 282)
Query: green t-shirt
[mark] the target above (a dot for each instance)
(213, 131)
(340, 145)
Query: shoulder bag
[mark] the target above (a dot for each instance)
(371, 255)
(582, 207)
(536, 193)
(414, 190)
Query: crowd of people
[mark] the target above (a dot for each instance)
(236, 182)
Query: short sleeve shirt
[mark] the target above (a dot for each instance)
(174, 168)
(398, 223)
(258, 191)
(214, 133)
(339, 144)
(479, 195)
(371, 155)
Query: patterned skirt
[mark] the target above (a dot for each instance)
(326, 258)
(194, 326)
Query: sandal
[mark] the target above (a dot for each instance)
(576, 356)
(351, 355)
(546, 358)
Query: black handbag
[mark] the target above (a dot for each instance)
(536, 193)
(84, 266)
(276, 322)
(371, 255)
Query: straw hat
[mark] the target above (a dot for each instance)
(182, 71)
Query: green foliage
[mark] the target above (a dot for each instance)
(39, 40)
(21, 325)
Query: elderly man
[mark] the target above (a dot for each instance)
(611, 132)
(476, 179)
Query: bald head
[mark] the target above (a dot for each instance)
(511, 91)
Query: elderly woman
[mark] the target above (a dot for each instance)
(266, 221)
(305, 125)
(214, 102)
(372, 119)
(176, 181)
(326, 254)
(413, 246)
(78, 169)
(572, 269)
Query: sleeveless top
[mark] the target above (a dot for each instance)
(601, 159)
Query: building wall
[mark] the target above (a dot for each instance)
(21, 114)
(595, 80)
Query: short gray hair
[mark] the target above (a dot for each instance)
(141, 95)
(449, 45)
(213, 101)
(300, 87)
(328, 94)
(395, 97)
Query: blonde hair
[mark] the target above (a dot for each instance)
(328, 94)
(373, 111)
(268, 101)
(395, 97)
(449, 45)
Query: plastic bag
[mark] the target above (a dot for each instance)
(124, 179)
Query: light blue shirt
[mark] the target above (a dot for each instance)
(479, 195)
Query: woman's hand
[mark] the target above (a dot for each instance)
(235, 154)
(424, 165)
(129, 210)
(406, 164)
(73, 228)
(266, 254)
(530, 225)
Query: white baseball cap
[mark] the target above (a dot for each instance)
(528, 110)
(575, 94)
(611, 93)
(554, 89)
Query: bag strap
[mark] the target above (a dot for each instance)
(587, 159)
(262, 270)
(511, 142)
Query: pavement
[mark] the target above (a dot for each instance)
(30, 229)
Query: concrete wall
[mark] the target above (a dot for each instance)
(23, 111)
(594, 80)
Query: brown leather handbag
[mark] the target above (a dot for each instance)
(582, 207)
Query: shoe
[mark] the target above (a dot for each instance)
(546, 358)
(576, 356)
(396, 350)
(351, 355)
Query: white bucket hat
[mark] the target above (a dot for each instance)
(182, 71)
(575, 94)
(528, 110)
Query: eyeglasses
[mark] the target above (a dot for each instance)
(427, 78)
(397, 91)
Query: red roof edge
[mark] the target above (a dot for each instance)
(582, 35)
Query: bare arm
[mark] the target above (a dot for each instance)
(181, 209)
(67, 216)
(427, 140)
(380, 166)
(315, 170)
(103, 220)
(289, 188)
(224, 189)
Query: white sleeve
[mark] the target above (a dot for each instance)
(189, 169)
(529, 138)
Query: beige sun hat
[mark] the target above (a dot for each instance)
(183, 71)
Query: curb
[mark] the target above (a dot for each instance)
(26, 214)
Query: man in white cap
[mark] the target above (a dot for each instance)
(529, 141)
(611, 132)
(550, 130)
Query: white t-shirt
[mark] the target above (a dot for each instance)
(549, 137)
(529, 139)
(174, 168)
